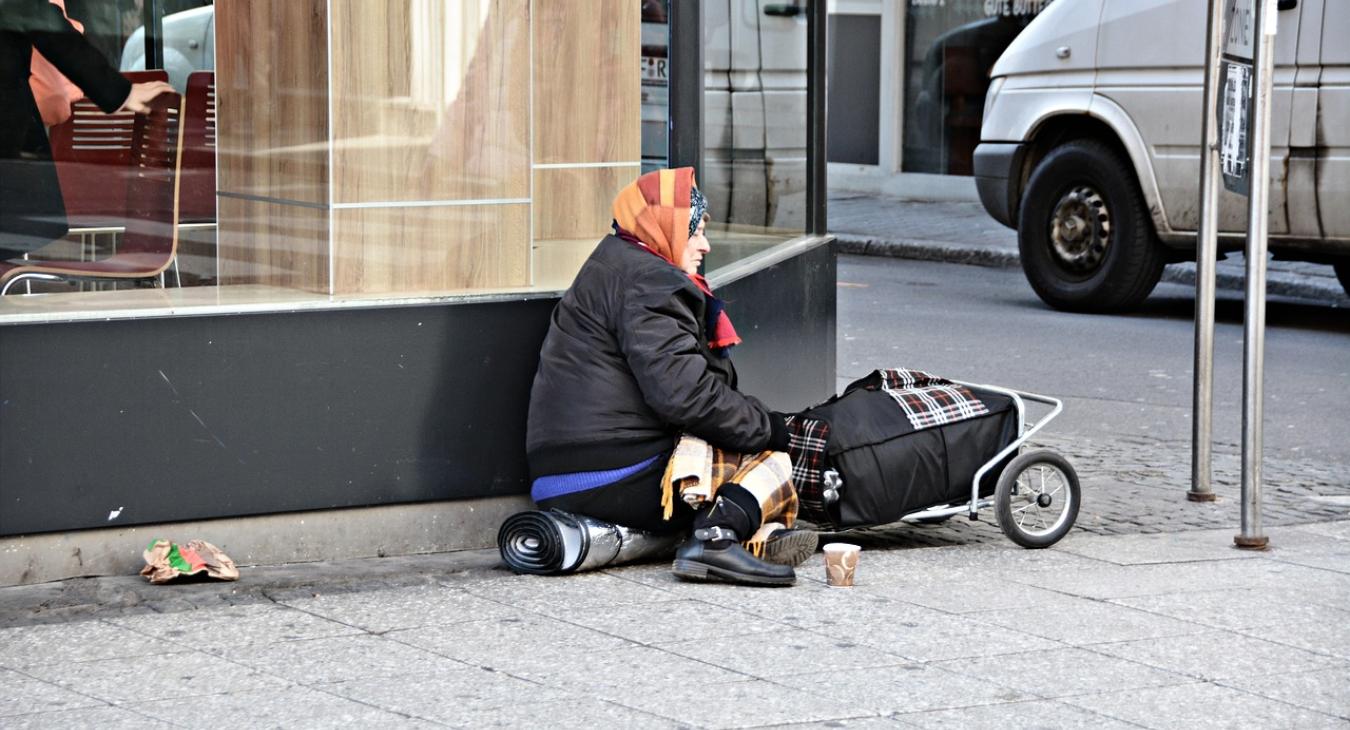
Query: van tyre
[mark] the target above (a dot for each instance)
(1085, 237)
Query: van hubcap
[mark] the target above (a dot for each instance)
(1080, 230)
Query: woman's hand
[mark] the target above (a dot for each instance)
(142, 94)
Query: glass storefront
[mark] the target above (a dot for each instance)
(755, 125)
(339, 152)
(950, 47)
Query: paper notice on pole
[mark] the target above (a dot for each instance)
(1233, 111)
(1240, 23)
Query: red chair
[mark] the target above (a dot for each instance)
(197, 204)
(93, 153)
(150, 242)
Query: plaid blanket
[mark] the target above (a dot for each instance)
(806, 445)
(928, 400)
(697, 469)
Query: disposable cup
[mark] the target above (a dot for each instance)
(841, 563)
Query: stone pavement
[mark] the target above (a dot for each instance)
(1175, 630)
(962, 232)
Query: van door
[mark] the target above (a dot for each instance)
(1151, 62)
(1301, 182)
(1333, 123)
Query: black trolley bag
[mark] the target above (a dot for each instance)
(889, 466)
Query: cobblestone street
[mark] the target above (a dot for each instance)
(1137, 485)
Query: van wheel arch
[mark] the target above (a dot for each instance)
(1056, 132)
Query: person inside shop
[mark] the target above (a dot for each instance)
(637, 356)
(32, 212)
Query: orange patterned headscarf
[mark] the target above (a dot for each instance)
(655, 210)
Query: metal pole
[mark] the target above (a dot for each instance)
(684, 61)
(1254, 319)
(1206, 254)
(817, 56)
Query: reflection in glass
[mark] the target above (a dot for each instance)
(655, 84)
(952, 45)
(754, 172)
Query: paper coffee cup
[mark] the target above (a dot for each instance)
(841, 562)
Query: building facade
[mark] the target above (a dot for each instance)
(336, 360)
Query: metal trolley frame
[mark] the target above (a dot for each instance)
(1037, 496)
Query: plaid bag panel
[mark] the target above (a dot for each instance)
(928, 400)
(807, 438)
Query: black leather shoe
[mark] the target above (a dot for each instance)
(698, 560)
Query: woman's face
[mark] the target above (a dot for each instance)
(695, 248)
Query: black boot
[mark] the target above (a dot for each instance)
(714, 553)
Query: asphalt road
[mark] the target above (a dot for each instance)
(1120, 375)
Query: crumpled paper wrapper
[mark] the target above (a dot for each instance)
(166, 561)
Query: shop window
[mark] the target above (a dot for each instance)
(352, 152)
(754, 146)
(951, 46)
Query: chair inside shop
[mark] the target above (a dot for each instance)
(93, 156)
(197, 202)
(150, 242)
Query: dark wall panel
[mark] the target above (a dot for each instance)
(160, 420)
(198, 417)
(786, 316)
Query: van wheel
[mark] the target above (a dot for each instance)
(1084, 233)
(1343, 273)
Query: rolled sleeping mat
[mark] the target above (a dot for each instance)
(554, 542)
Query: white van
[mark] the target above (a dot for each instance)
(1090, 145)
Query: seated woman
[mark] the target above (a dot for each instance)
(637, 356)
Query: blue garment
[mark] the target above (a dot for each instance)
(556, 485)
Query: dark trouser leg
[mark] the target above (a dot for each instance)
(634, 501)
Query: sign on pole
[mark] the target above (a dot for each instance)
(1235, 101)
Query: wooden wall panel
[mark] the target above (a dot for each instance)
(587, 81)
(273, 244)
(272, 96)
(571, 214)
(431, 249)
(557, 261)
(431, 100)
(575, 202)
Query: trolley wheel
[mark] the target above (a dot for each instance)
(1037, 499)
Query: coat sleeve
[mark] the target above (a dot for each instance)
(68, 50)
(658, 334)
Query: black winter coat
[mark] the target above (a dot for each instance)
(32, 212)
(626, 367)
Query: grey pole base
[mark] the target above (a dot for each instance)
(1255, 542)
(1195, 496)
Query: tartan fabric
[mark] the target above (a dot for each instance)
(768, 476)
(807, 438)
(697, 469)
(928, 400)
